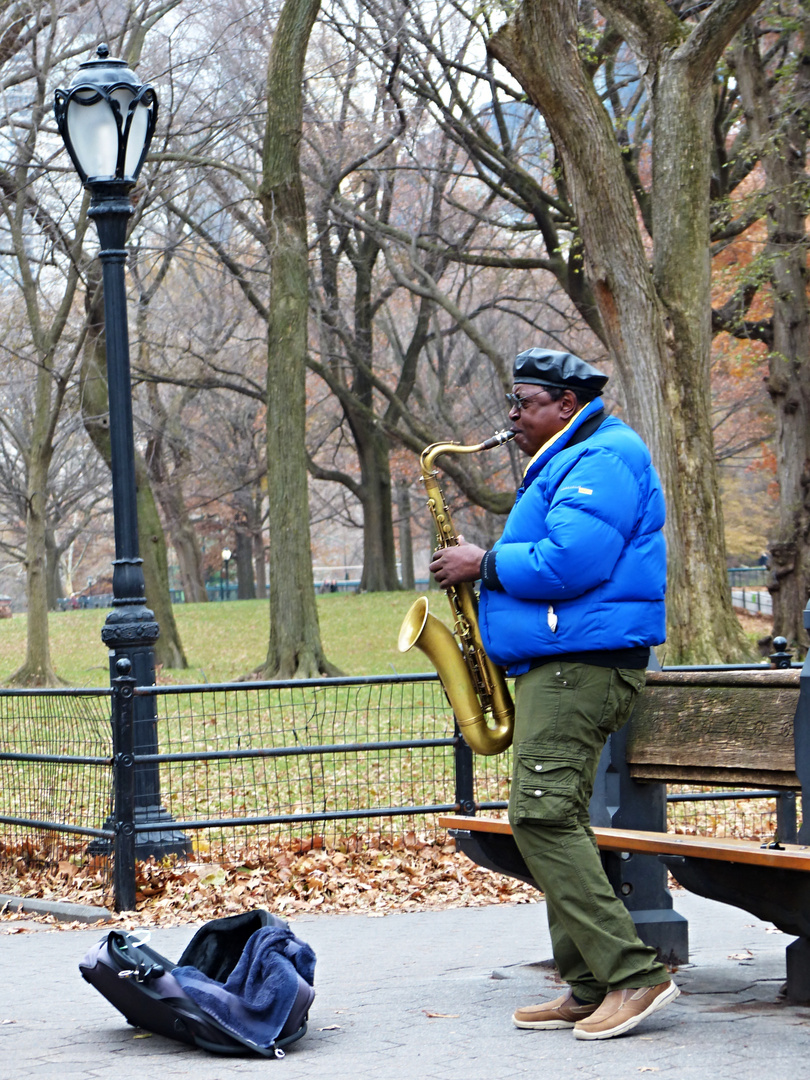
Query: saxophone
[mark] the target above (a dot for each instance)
(474, 685)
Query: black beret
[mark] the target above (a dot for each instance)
(546, 368)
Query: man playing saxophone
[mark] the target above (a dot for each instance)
(572, 599)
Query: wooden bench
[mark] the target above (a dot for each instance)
(724, 728)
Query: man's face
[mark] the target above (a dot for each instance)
(540, 418)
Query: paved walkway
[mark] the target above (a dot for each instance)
(425, 996)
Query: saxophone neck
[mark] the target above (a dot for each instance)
(435, 450)
(445, 532)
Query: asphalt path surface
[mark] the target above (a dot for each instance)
(423, 996)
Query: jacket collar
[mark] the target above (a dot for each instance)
(562, 438)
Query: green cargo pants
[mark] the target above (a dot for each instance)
(564, 713)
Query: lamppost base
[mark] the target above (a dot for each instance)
(130, 632)
(157, 843)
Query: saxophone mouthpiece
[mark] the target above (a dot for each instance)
(498, 439)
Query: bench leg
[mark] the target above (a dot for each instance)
(640, 880)
(797, 956)
(665, 931)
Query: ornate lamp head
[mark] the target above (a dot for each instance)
(107, 118)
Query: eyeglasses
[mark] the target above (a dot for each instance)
(520, 403)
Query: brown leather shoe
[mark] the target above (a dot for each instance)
(563, 1012)
(623, 1009)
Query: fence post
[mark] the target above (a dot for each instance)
(801, 739)
(123, 699)
(786, 822)
(465, 786)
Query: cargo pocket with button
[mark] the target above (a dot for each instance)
(547, 784)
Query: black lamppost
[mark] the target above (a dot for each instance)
(226, 561)
(107, 118)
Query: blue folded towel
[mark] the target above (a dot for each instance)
(256, 998)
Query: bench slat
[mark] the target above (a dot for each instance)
(764, 677)
(710, 728)
(794, 856)
(714, 776)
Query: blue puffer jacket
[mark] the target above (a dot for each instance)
(582, 558)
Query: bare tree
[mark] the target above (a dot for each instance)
(294, 648)
(771, 63)
(43, 231)
(656, 317)
(42, 263)
(76, 496)
(405, 228)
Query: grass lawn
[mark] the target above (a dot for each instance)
(224, 641)
(374, 864)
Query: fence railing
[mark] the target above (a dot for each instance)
(55, 764)
(243, 763)
(238, 762)
(754, 601)
(742, 579)
(749, 577)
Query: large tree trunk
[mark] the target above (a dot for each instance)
(371, 442)
(53, 570)
(182, 532)
(373, 446)
(46, 320)
(37, 669)
(169, 650)
(656, 322)
(245, 581)
(95, 414)
(405, 535)
(169, 494)
(294, 647)
(379, 548)
(783, 152)
(187, 548)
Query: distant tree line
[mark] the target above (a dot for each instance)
(352, 217)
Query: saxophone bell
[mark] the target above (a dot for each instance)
(429, 634)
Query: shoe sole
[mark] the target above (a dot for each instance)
(628, 1025)
(542, 1025)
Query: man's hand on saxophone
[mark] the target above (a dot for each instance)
(462, 562)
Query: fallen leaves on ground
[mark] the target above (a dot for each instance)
(371, 874)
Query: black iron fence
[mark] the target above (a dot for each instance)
(55, 767)
(237, 762)
(749, 577)
(242, 763)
